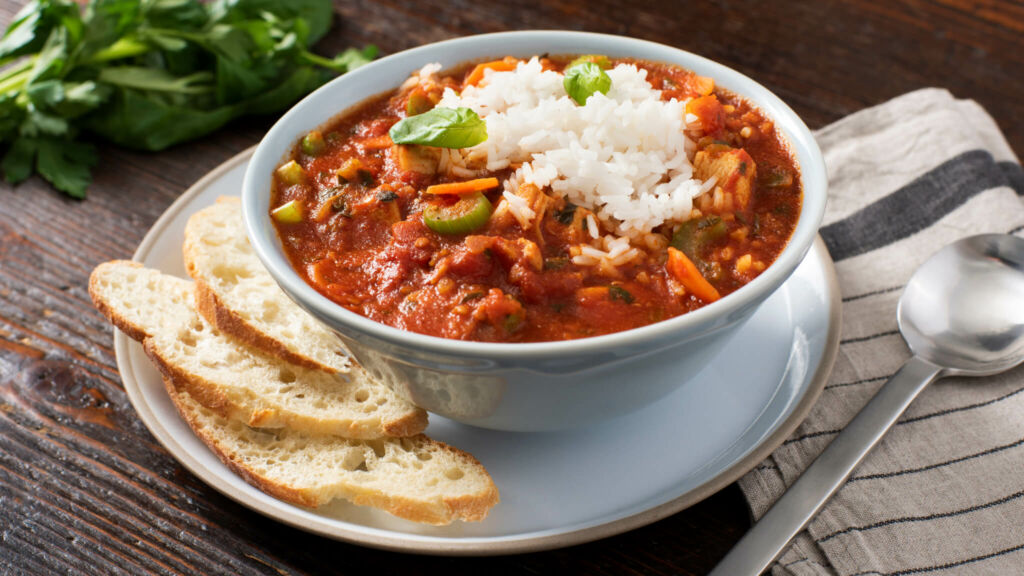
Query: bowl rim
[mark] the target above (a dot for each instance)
(685, 326)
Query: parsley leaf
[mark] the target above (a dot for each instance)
(148, 74)
(66, 165)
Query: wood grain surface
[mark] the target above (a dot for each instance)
(84, 488)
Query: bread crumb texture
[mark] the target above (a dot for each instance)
(250, 304)
(414, 477)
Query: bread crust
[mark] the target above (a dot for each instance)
(275, 489)
(209, 306)
(469, 508)
(179, 380)
(116, 318)
(210, 394)
(212, 307)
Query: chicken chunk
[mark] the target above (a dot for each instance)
(734, 171)
(535, 202)
(419, 159)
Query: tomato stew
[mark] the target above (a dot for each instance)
(390, 232)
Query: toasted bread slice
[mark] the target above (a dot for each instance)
(415, 478)
(235, 380)
(235, 293)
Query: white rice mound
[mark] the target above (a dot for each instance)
(623, 155)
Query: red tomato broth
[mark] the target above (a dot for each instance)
(364, 245)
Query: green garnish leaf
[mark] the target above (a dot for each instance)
(584, 80)
(148, 74)
(66, 165)
(32, 26)
(18, 162)
(620, 293)
(155, 80)
(565, 215)
(441, 127)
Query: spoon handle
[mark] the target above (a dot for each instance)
(766, 540)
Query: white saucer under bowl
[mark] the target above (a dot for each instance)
(557, 488)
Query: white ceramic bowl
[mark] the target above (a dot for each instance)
(535, 386)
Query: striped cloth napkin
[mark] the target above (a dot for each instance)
(944, 491)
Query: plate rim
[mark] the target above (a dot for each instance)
(474, 546)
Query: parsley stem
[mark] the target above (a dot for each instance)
(18, 69)
(15, 82)
(318, 60)
(123, 48)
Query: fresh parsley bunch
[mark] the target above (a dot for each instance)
(148, 74)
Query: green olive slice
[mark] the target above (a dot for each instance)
(465, 215)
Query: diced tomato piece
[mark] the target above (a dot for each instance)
(549, 286)
(501, 310)
(709, 111)
(470, 265)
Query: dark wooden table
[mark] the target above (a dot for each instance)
(85, 488)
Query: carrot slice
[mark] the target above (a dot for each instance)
(376, 142)
(683, 269)
(467, 187)
(507, 64)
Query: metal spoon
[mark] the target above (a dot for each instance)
(962, 314)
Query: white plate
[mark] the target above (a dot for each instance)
(560, 488)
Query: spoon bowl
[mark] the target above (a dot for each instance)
(963, 310)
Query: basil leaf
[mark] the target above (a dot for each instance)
(584, 79)
(441, 127)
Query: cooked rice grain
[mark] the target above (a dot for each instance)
(623, 155)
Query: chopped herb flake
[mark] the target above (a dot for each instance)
(472, 296)
(512, 322)
(340, 205)
(620, 293)
(565, 215)
(555, 263)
